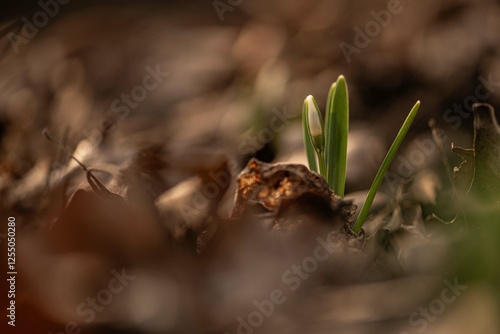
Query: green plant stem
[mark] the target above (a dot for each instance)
(383, 168)
(322, 164)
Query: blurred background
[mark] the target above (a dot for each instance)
(201, 79)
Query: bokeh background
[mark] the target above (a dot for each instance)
(229, 71)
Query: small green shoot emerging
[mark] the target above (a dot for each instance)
(383, 168)
(326, 144)
(315, 130)
(311, 157)
(337, 128)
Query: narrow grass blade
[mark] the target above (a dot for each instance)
(311, 155)
(337, 128)
(383, 168)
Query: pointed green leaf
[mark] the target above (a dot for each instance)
(383, 168)
(336, 129)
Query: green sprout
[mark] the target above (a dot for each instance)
(383, 168)
(326, 145)
(337, 128)
(329, 141)
(314, 138)
(311, 157)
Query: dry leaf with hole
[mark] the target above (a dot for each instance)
(479, 173)
(286, 192)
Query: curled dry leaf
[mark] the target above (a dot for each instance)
(286, 190)
(464, 174)
(481, 166)
(486, 183)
